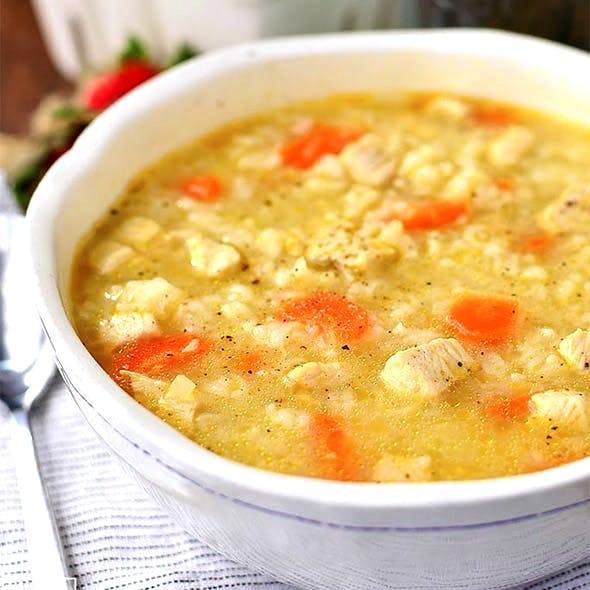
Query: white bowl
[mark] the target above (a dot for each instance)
(313, 533)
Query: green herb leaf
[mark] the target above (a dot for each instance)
(134, 50)
(67, 110)
(183, 52)
(24, 181)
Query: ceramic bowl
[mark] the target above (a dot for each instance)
(312, 533)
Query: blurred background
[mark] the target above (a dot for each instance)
(45, 42)
(50, 50)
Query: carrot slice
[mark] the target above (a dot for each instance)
(504, 184)
(334, 448)
(432, 214)
(304, 151)
(509, 408)
(494, 116)
(159, 356)
(483, 319)
(331, 312)
(537, 243)
(250, 362)
(204, 188)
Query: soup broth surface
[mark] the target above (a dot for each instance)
(366, 288)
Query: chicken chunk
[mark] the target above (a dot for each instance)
(569, 213)
(212, 259)
(510, 146)
(180, 399)
(123, 327)
(427, 370)
(447, 108)
(109, 255)
(399, 468)
(339, 247)
(191, 316)
(575, 349)
(137, 232)
(563, 408)
(464, 184)
(329, 166)
(287, 417)
(145, 387)
(316, 375)
(367, 161)
(154, 296)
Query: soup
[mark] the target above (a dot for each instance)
(359, 288)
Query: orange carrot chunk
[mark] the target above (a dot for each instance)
(159, 356)
(304, 151)
(494, 116)
(204, 188)
(250, 362)
(509, 408)
(328, 312)
(504, 184)
(483, 319)
(432, 214)
(537, 243)
(334, 449)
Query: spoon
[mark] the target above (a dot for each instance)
(26, 368)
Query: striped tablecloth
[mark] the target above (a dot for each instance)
(114, 536)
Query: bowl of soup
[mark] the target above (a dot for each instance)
(325, 299)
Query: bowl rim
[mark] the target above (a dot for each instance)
(144, 428)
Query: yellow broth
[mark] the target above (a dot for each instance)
(277, 233)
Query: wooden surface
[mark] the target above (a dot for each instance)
(26, 71)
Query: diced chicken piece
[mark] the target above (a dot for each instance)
(287, 417)
(358, 200)
(425, 179)
(510, 146)
(427, 370)
(191, 316)
(109, 255)
(339, 247)
(329, 166)
(367, 162)
(575, 349)
(154, 296)
(398, 468)
(123, 327)
(145, 387)
(211, 258)
(271, 241)
(316, 375)
(180, 401)
(569, 213)
(235, 310)
(261, 159)
(180, 395)
(137, 232)
(464, 184)
(329, 246)
(447, 107)
(562, 408)
(416, 158)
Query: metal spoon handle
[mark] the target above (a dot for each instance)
(46, 560)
